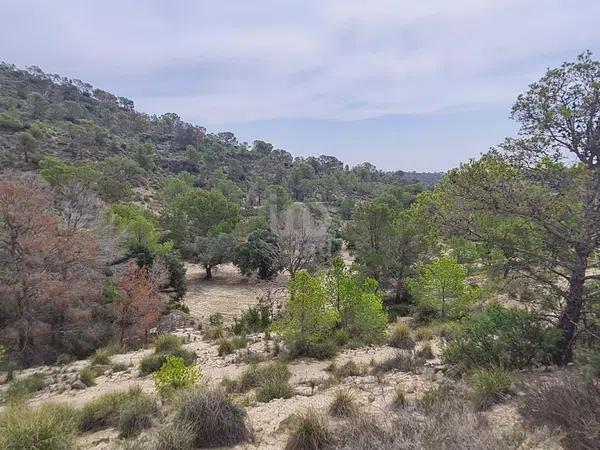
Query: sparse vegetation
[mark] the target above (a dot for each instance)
(21, 389)
(167, 343)
(400, 337)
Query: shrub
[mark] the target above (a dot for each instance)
(319, 350)
(152, 363)
(348, 369)
(424, 334)
(49, 427)
(166, 343)
(174, 374)
(88, 375)
(400, 337)
(216, 320)
(214, 419)
(274, 388)
(567, 402)
(21, 389)
(489, 386)
(225, 347)
(399, 399)
(501, 337)
(311, 433)
(343, 405)
(175, 436)
(101, 357)
(426, 351)
(136, 415)
(104, 411)
(402, 361)
(254, 320)
(433, 399)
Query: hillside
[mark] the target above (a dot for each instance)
(43, 114)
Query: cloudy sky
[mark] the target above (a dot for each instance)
(413, 85)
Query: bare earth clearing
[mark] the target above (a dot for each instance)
(229, 294)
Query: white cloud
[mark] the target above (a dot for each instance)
(338, 60)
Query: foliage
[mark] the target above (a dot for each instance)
(489, 386)
(359, 305)
(441, 287)
(48, 427)
(254, 320)
(215, 421)
(174, 374)
(307, 319)
(151, 363)
(260, 253)
(502, 337)
(210, 251)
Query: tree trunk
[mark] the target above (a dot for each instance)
(208, 272)
(570, 315)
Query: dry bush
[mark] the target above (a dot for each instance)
(175, 436)
(101, 357)
(215, 420)
(425, 352)
(489, 386)
(400, 337)
(452, 426)
(348, 369)
(402, 361)
(343, 405)
(399, 399)
(137, 415)
(226, 347)
(165, 343)
(274, 388)
(568, 402)
(21, 389)
(311, 433)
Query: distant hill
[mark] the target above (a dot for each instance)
(48, 115)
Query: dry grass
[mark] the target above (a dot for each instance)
(403, 361)
(400, 337)
(311, 433)
(215, 420)
(567, 402)
(344, 404)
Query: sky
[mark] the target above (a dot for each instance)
(411, 85)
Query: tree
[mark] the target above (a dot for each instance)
(536, 199)
(347, 208)
(259, 253)
(137, 306)
(199, 212)
(303, 238)
(48, 281)
(300, 182)
(358, 304)
(145, 155)
(210, 251)
(26, 144)
(441, 287)
(307, 319)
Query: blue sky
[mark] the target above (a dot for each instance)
(404, 84)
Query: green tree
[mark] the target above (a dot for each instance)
(441, 287)
(300, 182)
(210, 251)
(307, 319)
(26, 144)
(199, 212)
(536, 199)
(359, 305)
(145, 155)
(259, 253)
(229, 190)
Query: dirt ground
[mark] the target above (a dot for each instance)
(230, 294)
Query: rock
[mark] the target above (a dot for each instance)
(78, 385)
(174, 320)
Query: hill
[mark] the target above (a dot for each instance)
(45, 114)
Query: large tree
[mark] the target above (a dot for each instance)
(535, 201)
